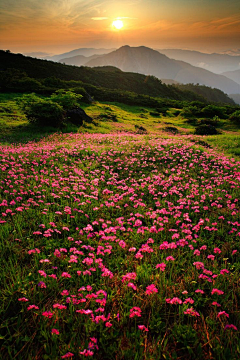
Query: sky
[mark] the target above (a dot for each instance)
(57, 26)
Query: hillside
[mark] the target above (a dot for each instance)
(217, 63)
(150, 62)
(43, 75)
(233, 75)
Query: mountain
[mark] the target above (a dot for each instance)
(233, 75)
(78, 60)
(217, 63)
(81, 51)
(150, 62)
(19, 73)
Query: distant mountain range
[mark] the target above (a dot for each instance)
(147, 61)
(234, 75)
(81, 51)
(217, 63)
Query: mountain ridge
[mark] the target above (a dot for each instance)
(150, 62)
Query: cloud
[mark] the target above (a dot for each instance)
(99, 18)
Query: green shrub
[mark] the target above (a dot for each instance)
(42, 111)
(211, 111)
(67, 99)
(206, 129)
(235, 117)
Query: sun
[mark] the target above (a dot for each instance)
(118, 24)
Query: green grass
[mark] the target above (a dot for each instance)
(111, 117)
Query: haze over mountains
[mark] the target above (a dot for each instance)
(217, 63)
(81, 51)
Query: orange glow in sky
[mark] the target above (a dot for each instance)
(58, 25)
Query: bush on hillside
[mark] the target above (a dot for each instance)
(210, 111)
(52, 111)
(214, 122)
(206, 129)
(235, 117)
(42, 111)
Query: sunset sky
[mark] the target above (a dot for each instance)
(56, 26)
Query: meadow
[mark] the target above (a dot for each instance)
(118, 246)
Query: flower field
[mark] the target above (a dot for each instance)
(118, 246)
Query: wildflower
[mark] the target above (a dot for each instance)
(143, 327)
(224, 271)
(161, 266)
(191, 312)
(42, 285)
(30, 307)
(222, 313)
(216, 291)
(86, 352)
(175, 301)
(199, 291)
(151, 289)
(230, 326)
(135, 311)
(189, 301)
(55, 331)
(66, 275)
(129, 276)
(170, 258)
(67, 355)
(47, 314)
(132, 286)
(108, 324)
(199, 265)
(215, 303)
(23, 299)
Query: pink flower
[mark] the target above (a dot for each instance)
(67, 355)
(143, 327)
(191, 312)
(222, 313)
(108, 324)
(66, 275)
(199, 265)
(30, 307)
(55, 331)
(199, 291)
(132, 286)
(23, 299)
(216, 291)
(189, 301)
(86, 352)
(161, 266)
(42, 285)
(230, 326)
(129, 276)
(214, 303)
(151, 289)
(47, 314)
(224, 271)
(135, 311)
(65, 292)
(170, 258)
(174, 301)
